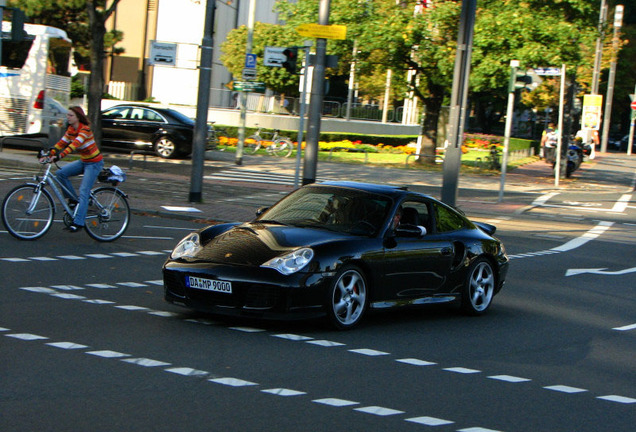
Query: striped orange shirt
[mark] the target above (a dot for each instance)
(80, 140)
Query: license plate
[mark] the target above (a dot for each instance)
(209, 284)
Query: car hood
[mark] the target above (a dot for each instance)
(254, 243)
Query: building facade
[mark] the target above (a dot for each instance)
(130, 76)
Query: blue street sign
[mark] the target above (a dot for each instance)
(548, 71)
(250, 61)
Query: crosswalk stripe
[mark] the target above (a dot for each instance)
(254, 177)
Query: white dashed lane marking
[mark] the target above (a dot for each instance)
(335, 402)
(508, 378)
(416, 362)
(565, 389)
(462, 370)
(429, 421)
(86, 256)
(107, 354)
(369, 352)
(296, 338)
(284, 392)
(232, 382)
(379, 411)
(67, 345)
(186, 371)
(375, 410)
(146, 362)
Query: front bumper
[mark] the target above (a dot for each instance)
(256, 292)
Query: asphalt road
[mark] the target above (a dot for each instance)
(87, 342)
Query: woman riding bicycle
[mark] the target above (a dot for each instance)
(78, 137)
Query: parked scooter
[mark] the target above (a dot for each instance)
(571, 160)
(574, 158)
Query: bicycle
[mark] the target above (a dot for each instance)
(28, 210)
(279, 145)
(491, 161)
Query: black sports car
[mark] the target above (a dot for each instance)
(336, 249)
(164, 131)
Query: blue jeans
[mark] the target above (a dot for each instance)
(90, 170)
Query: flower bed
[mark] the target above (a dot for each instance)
(471, 142)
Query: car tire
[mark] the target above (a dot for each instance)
(348, 298)
(479, 287)
(166, 148)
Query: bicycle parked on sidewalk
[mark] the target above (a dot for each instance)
(276, 145)
(28, 210)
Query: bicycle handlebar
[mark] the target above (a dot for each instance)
(47, 160)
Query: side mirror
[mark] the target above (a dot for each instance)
(261, 210)
(407, 230)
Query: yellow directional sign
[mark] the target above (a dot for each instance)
(322, 31)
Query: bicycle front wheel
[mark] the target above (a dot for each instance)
(252, 144)
(27, 212)
(283, 147)
(108, 214)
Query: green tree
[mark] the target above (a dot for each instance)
(98, 14)
(72, 17)
(233, 54)
(84, 22)
(391, 36)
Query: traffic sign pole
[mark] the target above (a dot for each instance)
(630, 141)
(251, 12)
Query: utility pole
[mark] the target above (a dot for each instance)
(352, 79)
(203, 103)
(632, 123)
(243, 98)
(3, 3)
(599, 46)
(618, 22)
(514, 65)
(301, 120)
(315, 105)
(558, 168)
(387, 95)
(459, 96)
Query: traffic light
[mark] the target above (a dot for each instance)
(522, 81)
(291, 55)
(527, 80)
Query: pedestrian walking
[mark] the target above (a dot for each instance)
(549, 140)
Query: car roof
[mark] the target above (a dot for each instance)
(396, 193)
(172, 114)
(393, 191)
(139, 106)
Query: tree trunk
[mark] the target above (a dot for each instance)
(429, 130)
(96, 80)
(97, 21)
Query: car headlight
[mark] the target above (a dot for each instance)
(188, 247)
(291, 262)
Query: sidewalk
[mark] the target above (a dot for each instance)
(155, 184)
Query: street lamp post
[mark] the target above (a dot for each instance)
(203, 103)
(514, 65)
(618, 22)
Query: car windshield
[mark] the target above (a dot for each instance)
(337, 209)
